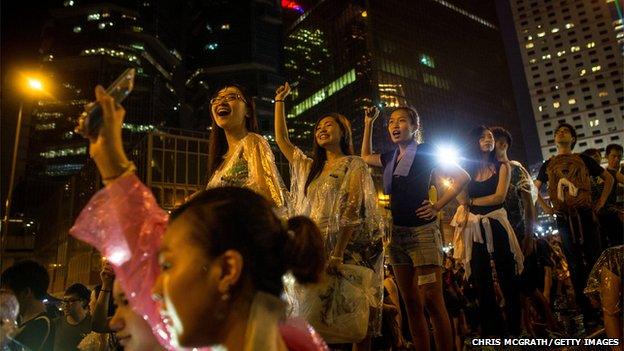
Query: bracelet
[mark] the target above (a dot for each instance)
(279, 100)
(332, 257)
(127, 169)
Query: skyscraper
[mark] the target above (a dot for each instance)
(232, 42)
(444, 58)
(572, 61)
(85, 43)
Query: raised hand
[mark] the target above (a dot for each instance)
(370, 114)
(106, 148)
(282, 92)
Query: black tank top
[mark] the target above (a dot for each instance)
(484, 188)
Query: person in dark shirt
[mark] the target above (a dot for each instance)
(415, 247)
(485, 239)
(567, 176)
(612, 214)
(28, 281)
(75, 324)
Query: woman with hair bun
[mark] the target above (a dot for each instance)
(334, 188)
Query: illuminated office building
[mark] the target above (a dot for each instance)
(572, 61)
(445, 58)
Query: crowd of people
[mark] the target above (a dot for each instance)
(251, 264)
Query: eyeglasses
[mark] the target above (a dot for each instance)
(227, 98)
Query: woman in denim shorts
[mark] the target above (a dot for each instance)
(416, 245)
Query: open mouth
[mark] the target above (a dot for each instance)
(223, 110)
(323, 136)
(396, 133)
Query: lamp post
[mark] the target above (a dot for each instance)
(33, 84)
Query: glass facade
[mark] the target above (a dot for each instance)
(401, 52)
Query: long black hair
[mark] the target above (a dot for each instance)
(473, 154)
(217, 143)
(319, 156)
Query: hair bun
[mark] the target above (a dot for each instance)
(303, 251)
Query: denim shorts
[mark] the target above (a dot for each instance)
(418, 246)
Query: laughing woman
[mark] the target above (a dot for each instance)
(415, 248)
(336, 190)
(238, 155)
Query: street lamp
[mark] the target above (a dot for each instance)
(35, 85)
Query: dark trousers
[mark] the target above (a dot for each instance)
(492, 321)
(611, 228)
(581, 246)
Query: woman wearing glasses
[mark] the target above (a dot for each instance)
(237, 155)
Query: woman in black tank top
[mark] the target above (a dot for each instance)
(495, 259)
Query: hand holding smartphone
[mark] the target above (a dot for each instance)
(91, 119)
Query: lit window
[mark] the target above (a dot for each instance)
(225, 26)
(575, 48)
(77, 29)
(529, 45)
(102, 25)
(583, 72)
(427, 61)
(556, 104)
(554, 30)
(93, 17)
(596, 68)
(541, 34)
(594, 123)
(569, 25)
(561, 53)
(572, 101)
(547, 57)
(591, 45)
(530, 37)
(68, 3)
(540, 108)
(211, 46)
(533, 60)
(364, 14)
(603, 94)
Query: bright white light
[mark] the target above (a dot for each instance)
(447, 155)
(556, 231)
(118, 257)
(540, 228)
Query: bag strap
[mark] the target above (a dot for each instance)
(48, 323)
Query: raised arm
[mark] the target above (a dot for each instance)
(107, 148)
(370, 115)
(501, 189)
(281, 130)
(100, 312)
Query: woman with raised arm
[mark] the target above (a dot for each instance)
(415, 247)
(226, 247)
(238, 155)
(485, 240)
(336, 190)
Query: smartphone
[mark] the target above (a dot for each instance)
(91, 118)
